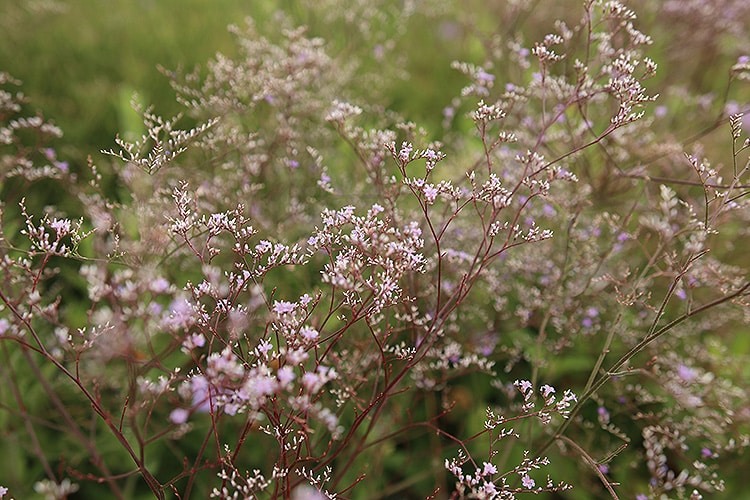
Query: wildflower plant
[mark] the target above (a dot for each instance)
(305, 295)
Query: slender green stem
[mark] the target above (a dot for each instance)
(623, 360)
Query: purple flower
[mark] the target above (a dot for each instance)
(686, 373)
(180, 314)
(528, 483)
(523, 385)
(603, 415)
(547, 391)
(285, 375)
(177, 416)
(488, 469)
(484, 78)
(202, 394)
(193, 340)
(430, 193)
(282, 306)
(264, 346)
(309, 333)
(405, 152)
(311, 381)
(159, 285)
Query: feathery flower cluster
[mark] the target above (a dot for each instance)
(299, 295)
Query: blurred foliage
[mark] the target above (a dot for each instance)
(80, 61)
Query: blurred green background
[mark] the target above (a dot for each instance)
(80, 61)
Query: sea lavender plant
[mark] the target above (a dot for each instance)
(300, 297)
